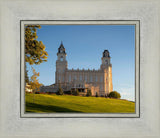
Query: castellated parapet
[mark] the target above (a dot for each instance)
(98, 81)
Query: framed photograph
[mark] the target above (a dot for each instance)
(112, 46)
(72, 92)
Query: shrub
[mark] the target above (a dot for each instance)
(114, 94)
(89, 93)
(106, 95)
(75, 92)
(37, 92)
(67, 92)
(60, 91)
(97, 95)
(49, 92)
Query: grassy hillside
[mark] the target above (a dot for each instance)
(53, 103)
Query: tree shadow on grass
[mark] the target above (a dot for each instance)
(46, 108)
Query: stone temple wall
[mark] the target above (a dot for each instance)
(99, 81)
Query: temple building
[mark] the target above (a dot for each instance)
(98, 81)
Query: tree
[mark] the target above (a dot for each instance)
(60, 91)
(26, 76)
(34, 50)
(97, 95)
(114, 94)
(89, 93)
(35, 85)
(75, 92)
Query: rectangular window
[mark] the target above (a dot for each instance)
(101, 79)
(91, 79)
(80, 77)
(86, 78)
(59, 78)
(75, 77)
(96, 78)
(69, 78)
(101, 87)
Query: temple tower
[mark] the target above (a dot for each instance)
(61, 64)
(106, 67)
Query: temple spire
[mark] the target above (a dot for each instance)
(61, 48)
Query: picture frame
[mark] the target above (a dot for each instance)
(136, 23)
(12, 125)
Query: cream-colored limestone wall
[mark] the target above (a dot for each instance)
(110, 79)
(93, 77)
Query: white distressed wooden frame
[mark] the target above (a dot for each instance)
(13, 126)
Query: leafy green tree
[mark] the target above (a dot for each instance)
(114, 94)
(75, 92)
(89, 93)
(60, 91)
(35, 85)
(97, 95)
(26, 76)
(34, 50)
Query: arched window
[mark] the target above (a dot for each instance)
(61, 50)
(61, 59)
(106, 61)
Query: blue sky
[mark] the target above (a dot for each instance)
(84, 45)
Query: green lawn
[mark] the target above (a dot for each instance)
(44, 103)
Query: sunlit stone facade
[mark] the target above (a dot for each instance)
(99, 81)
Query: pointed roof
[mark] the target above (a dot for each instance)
(106, 53)
(61, 48)
(61, 45)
